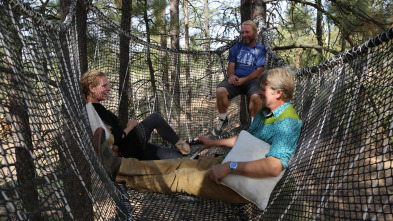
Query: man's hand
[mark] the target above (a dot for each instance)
(207, 143)
(240, 82)
(236, 81)
(233, 79)
(219, 171)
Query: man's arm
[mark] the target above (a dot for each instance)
(232, 78)
(253, 75)
(207, 143)
(266, 167)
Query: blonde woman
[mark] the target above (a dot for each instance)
(131, 141)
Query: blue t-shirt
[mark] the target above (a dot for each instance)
(247, 59)
(282, 135)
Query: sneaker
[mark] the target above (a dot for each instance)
(108, 158)
(220, 126)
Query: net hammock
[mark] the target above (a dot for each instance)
(342, 168)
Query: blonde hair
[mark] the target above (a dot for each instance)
(279, 79)
(90, 78)
(253, 25)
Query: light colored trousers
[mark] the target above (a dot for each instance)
(180, 175)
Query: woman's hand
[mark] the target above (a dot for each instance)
(132, 123)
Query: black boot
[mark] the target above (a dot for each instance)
(108, 158)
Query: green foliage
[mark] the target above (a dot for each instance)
(345, 23)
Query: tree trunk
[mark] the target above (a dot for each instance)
(24, 166)
(187, 62)
(149, 62)
(245, 10)
(207, 24)
(258, 13)
(81, 23)
(299, 55)
(319, 31)
(124, 72)
(343, 41)
(164, 54)
(19, 119)
(207, 46)
(175, 74)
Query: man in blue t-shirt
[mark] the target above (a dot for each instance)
(246, 62)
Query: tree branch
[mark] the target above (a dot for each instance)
(271, 28)
(343, 6)
(306, 46)
(362, 14)
(268, 1)
(330, 16)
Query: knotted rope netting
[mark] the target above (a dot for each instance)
(342, 168)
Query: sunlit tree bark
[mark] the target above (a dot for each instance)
(175, 62)
(124, 72)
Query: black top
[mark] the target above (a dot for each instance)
(111, 120)
(133, 144)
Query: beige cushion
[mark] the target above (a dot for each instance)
(255, 190)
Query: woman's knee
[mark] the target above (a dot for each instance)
(154, 117)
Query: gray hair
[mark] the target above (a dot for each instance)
(279, 79)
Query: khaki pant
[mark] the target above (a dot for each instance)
(176, 176)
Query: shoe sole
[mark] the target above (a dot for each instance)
(222, 129)
(98, 140)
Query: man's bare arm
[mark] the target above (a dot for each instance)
(231, 69)
(232, 78)
(266, 167)
(207, 143)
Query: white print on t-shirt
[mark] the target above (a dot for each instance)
(246, 57)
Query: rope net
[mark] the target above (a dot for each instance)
(342, 168)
